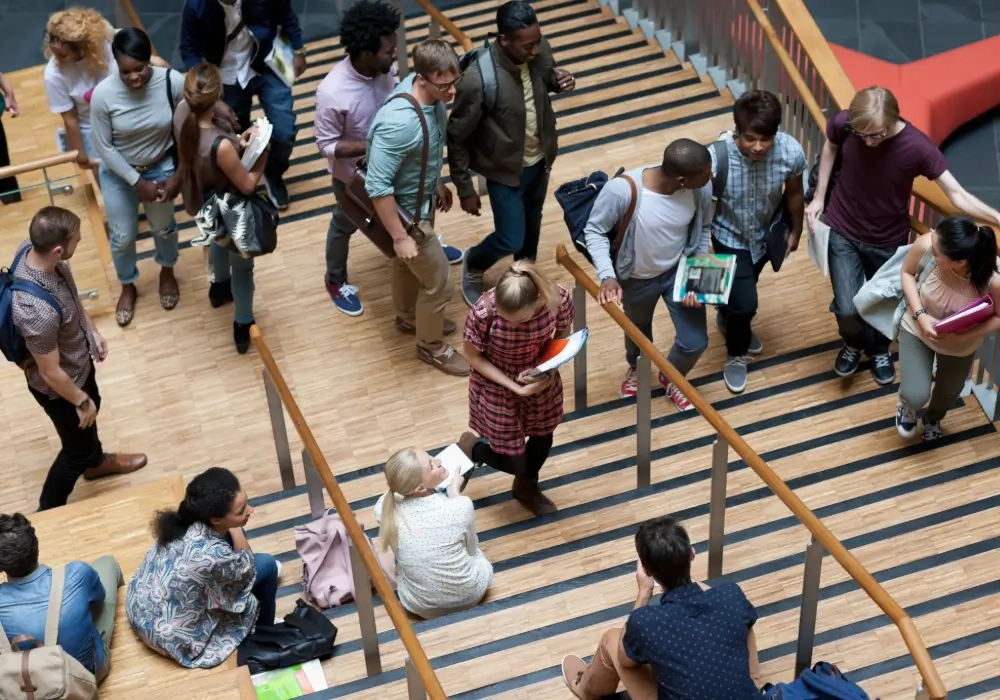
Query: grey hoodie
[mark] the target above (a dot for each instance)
(610, 208)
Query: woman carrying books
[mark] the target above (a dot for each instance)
(964, 263)
(506, 332)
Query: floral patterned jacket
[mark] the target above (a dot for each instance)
(191, 600)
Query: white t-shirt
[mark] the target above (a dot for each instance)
(69, 86)
(235, 67)
(439, 566)
(661, 232)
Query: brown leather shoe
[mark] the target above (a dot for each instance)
(527, 493)
(116, 464)
(445, 358)
(410, 329)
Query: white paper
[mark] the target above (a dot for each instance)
(455, 461)
(258, 142)
(818, 247)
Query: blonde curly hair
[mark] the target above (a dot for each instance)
(87, 30)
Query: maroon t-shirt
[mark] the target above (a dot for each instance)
(871, 200)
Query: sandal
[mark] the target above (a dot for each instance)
(125, 314)
(168, 298)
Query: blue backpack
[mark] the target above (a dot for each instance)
(823, 682)
(11, 343)
(577, 200)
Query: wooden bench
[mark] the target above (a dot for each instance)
(118, 523)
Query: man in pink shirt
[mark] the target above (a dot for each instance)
(346, 103)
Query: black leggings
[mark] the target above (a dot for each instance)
(526, 465)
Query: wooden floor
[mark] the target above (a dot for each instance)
(925, 522)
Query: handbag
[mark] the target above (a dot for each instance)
(358, 205)
(246, 224)
(305, 635)
(880, 301)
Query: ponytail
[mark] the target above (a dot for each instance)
(209, 495)
(388, 529)
(961, 240)
(523, 286)
(202, 90)
(403, 474)
(171, 525)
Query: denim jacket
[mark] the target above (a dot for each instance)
(881, 302)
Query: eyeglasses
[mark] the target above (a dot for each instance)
(877, 136)
(443, 87)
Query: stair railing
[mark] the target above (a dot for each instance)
(437, 22)
(822, 540)
(421, 680)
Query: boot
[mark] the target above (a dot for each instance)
(527, 493)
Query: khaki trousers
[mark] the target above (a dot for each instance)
(421, 288)
(605, 671)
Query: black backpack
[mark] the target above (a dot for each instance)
(11, 342)
(483, 58)
(577, 199)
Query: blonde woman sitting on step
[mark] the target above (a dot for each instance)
(439, 566)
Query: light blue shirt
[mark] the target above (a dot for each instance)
(24, 603)
(395, 147)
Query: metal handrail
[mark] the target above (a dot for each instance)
(823, 539)
(361, 551)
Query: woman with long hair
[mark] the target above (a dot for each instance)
(439, 566)
(132, 125)
(505, 334)
(210, 156)
(200, 590)
(965, 268)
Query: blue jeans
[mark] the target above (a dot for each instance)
(639, 299)
(265, 587)
(228, 265)
(851, 265)
(121, 201)
(517, 220)
(276, 100)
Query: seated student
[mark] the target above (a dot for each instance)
(439, 566)
(200, 590)
(672, 218)
(697, 643)
(90, 595)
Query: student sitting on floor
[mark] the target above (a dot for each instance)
(90, 594)
(200, 590)
(697, 643)
(439, 566)
(505, 333)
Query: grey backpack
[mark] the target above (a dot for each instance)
(483, 58)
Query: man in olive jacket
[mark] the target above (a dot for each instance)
(513, 145)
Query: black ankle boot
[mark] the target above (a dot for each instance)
(241, 336)
(220, 293)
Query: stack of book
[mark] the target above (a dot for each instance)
(258, 142)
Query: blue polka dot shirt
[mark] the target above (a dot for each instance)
(696, 643)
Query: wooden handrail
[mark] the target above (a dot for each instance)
(911, 637)
(51, 161)
(133, 18)
(446, 24)
(406, 634)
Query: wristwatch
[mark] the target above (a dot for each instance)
(83, 403)
(916, 314)
(606, 278)
(300, 52)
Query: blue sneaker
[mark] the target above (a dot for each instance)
(454, 255)
(345, 298)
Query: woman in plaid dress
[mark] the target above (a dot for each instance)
(505, 332)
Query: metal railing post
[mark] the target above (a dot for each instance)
(314, 487)
(643, 422)
(281, 446)
(414, 686)
(580, 361)
(810, 605)
(403, 62)
(717, 507)
(366, 613)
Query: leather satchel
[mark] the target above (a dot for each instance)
(304, 635)
(358, 205)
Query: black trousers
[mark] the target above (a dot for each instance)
(525, 465)
(81, 449)
(8, 185)
(742, 306)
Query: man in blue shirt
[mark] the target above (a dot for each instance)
(696, 644)
(87, 618)
(237, 36)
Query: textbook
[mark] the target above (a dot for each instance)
(972, 315)
(258, 142)
(281, 60)
(289, 683)
(709, 276)
(559, 351)
(456, 462)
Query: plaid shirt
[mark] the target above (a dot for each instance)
(753, 192)
(44, 329)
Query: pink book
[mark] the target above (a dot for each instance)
(972, 315)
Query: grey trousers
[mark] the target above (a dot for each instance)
(104, 613)
(338, 238)
(916, 373)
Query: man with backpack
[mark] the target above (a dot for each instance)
(513, 147)
(85, 597)
(46, 331)
(639, 228)
(758, 217)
